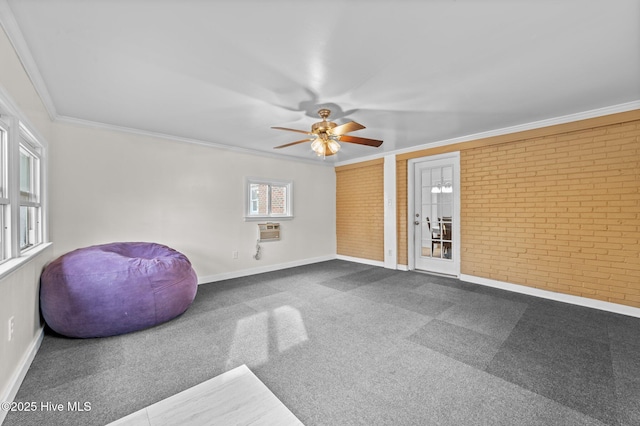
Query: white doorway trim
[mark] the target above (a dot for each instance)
(390, 215)
(455, 158)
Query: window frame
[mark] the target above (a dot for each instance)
(29, 146)
(5, 202)
(251, 212)
(16, 140)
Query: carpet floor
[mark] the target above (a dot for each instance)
(341, 343)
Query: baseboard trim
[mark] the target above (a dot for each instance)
(516, 288)
(361, 260)
(559, 297)
(18, 375)
(262, 269)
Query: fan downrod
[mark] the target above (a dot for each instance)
(324, 113)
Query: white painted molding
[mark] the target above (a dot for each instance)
(614, 109)
(559, 297)
(629, 106)
(12, 264)
(172, 138)
(18, 375)
(551, 295)
(10, 107)
(11, 28)
(262, 269)
(360, 260)
(390, 213)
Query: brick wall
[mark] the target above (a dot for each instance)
(401, 211)
(360, 210)
(555, 208)
(263, 192)
(278, 198)
(560, 212)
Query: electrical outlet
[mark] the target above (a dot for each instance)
(234, 254)
(10, 327)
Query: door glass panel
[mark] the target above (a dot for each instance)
(436, 212)
(435, 216)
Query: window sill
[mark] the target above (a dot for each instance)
(11, 265)
(266, 218)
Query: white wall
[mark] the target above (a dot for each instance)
(19, 288)
(113, 186)
(19, 299)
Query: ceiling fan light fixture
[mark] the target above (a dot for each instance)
(324, 148)
(317, 146)
(333, 146)
(325, 135)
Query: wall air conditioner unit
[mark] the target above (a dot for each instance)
(268, 232)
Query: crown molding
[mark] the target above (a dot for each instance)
(10, 25)
(130, 130)
(10, 107)
(594, 113)
(614, 109)
(16, 38)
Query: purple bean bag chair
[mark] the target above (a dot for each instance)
(115, 288)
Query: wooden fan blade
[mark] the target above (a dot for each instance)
(351, 126)
(292, 143)
(361, 141)
(291, 130)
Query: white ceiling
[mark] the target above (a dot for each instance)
(413, 72)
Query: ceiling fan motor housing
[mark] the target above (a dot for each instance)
(322, 127)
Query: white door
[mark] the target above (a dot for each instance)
(436, 214)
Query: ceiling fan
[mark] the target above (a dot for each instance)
(325, 135)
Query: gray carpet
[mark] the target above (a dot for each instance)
(342, 343)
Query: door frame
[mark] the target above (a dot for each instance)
(411, 164)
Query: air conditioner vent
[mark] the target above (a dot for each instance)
(268, 232)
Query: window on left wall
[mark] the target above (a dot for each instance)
(4, 197)
(21, 223)
(30, 207)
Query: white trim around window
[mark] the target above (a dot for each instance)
(22, 188)
(267, 199)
